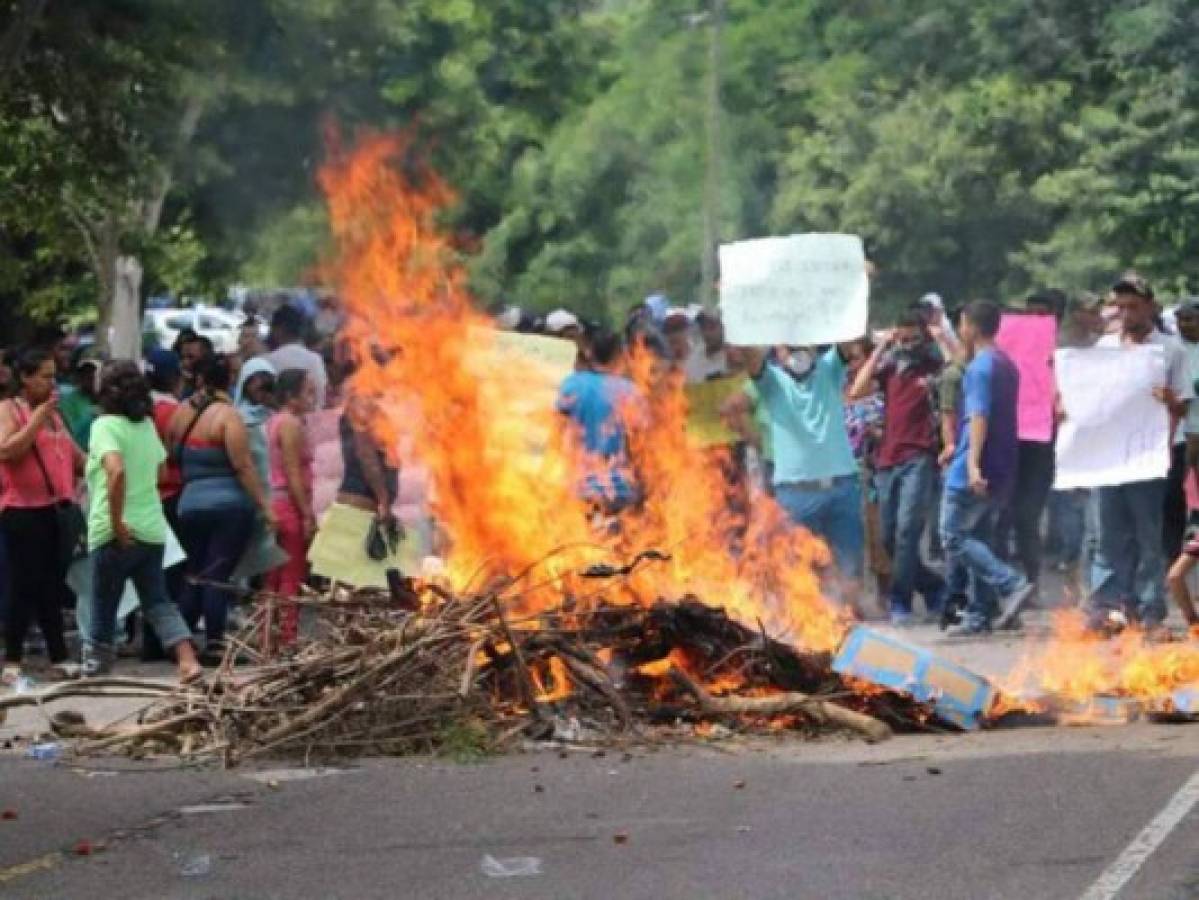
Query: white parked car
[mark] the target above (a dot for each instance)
(217, 325)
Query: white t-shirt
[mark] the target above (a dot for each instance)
(1179, 375)
(701, 366)
(297, 356)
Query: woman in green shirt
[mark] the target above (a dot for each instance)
(126, 527)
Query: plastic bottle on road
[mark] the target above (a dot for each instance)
(511, 867)
(47, 752)
(196, 866)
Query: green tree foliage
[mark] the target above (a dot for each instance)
(981, 147)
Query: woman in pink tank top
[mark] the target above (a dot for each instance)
(291, 496)
(38, 465)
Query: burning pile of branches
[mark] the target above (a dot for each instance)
(415, 673)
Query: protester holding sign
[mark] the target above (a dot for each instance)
(815, 474)
(796, 293)
(1071, 516)
(903, 366)
(981, 476)
(1130, 568)
(1029, 341)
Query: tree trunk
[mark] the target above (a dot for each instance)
(104, 250)
(124, 338)
(121, 315)
(118, 275)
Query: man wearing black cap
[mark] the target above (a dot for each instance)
(1130, 565)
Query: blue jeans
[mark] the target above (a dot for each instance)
(214, 540)
(903, 492)
(834, 514)
(1067, 524)
(1130, 568)
(113, 565)
(967, 530)
(1090, 539)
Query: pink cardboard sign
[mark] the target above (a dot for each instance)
(1030, 342)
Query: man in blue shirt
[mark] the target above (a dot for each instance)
(980, 477)
(815, 474)
(602, 406)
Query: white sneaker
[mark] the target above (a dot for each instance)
(9, 676)
(1012, 604)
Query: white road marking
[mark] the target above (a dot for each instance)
(198, 809)
(1128, 863)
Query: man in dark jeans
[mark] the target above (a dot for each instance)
(981, 476)
(1034, 479)
(1129, 572)
(903, 366)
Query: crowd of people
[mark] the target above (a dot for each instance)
(196, 473)
(901, 451)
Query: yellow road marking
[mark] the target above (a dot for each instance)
(12, 873)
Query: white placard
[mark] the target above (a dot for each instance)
(1115, 431)
(797, 290)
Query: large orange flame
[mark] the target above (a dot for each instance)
(1076, 665)
(465, 410)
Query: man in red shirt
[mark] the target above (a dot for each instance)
(903, 367)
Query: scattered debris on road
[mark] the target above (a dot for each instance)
(421, 669)
(464, 676)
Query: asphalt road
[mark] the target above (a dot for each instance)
(1037, 813)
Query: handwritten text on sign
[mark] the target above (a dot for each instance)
(1030, 342)
(797, 290)
(1115, 432)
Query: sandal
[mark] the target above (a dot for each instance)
(194, 677)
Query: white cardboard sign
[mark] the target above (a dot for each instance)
(797, 290)
(1115, 431)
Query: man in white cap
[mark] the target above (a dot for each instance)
(563, 323)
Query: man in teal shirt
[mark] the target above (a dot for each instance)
(815, 475)
(78, 408)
